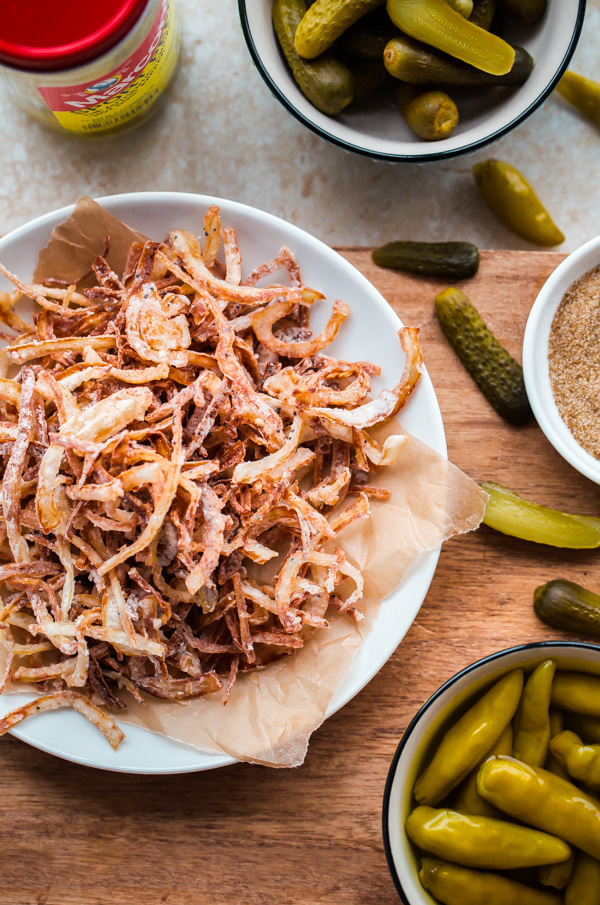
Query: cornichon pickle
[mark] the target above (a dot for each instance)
(582, 93)
(431, 115)
(483, 13)
(456, 885)
(416, 64)
(493, 369)
(525, 11)
(566, 605)
(508, 194)
(369, 76)
(450, 260)
(325, 21)
(512, 514)
(366, 39)
(436, 23)
(482, 842)
(326, 82)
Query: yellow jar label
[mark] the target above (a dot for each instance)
(125, 93)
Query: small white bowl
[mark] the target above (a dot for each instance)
(535, 358)
(379, 131)
(433, 719)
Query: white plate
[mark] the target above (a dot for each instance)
(369, 333)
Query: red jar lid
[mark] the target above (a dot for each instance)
(60, 34)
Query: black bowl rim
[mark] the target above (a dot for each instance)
(534, 645)
(410, 158)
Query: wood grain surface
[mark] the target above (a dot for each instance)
(248, 835)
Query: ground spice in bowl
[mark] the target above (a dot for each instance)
(574, 360)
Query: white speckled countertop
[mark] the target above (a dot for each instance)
(223, 133)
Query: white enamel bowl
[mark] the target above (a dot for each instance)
(535, 358)
(377, 130)
(433, 719)
(369, 333)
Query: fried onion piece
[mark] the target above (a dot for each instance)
(264, 320)
(101, 720)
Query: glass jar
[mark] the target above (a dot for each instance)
(89, 68)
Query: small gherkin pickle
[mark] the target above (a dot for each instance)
(582, 93)
(582, 762)
(432, 115)
(369, 76)
(512, 514)
(416, 64)
(514, 202)
(483, 13)
(532, 720)
(449, 260)
(326, 82)
(566, 605)
(584, 888)
(494, 370)
(434, 22)
(325, 21)
(524, 11)
(482, 842)
(468, 740)
(456, 885)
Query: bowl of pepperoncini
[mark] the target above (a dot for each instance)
(412, 80)
(493, 794)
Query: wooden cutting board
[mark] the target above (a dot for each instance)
(312, 836)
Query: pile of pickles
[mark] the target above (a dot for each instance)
(343, 51)
(504, 813)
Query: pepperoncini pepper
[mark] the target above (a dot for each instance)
(540, 799)
(582, 93)
(584, 888)
(577, 692)
(468, 740)
(532, 720)
(456, 885)
(435, 23)
(482, 842)
(514, 202)
(467, 799)
(556, 727)
(582, 762)
(557, 875)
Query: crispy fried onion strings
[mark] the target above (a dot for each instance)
(178, 460)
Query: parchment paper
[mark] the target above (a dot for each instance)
(272, 713)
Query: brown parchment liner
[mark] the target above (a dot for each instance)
(271, 713)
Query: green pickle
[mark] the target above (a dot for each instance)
(472, 840)
(416, 64)
(432, 115)
(514, 202)
(326, 82)
(582, 762)
(577, 692)
(483, 13)
(434, 22)
(369, 76)
(512, 514)
(449, 260)
(566, 605)
(527, 12)
(325, 21)
(468, 740)
(584, 888)
(532, 720)
(582, 93)
(466, 798)
(542, 800)
(454, 885)
(494, 370)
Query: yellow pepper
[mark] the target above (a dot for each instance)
(556, 727)
(467, 741)
(435, 23)
(455, 885)
(540, 799)
(582, 762)
(482, 842)
(583, 93)
(532, 720)
(557, 875)
(466, 798)
(584, 888)
(578, 692)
